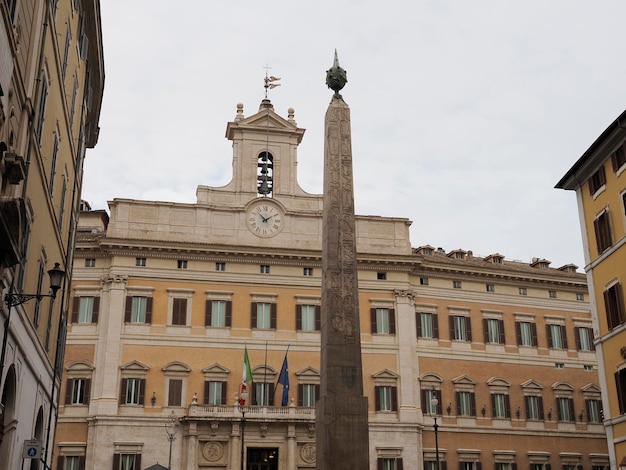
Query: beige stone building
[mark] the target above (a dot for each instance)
(166, 297)
(599, 179)
(51, 85)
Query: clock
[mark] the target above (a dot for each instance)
(264, 218)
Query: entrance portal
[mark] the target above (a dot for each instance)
(262, 459)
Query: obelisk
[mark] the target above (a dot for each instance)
(341, 414)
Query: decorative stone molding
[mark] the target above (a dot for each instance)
(405, 293)
(308, 453)
(213, 451)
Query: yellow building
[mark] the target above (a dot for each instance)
(600, 184)
(168, 296)
(51, 83)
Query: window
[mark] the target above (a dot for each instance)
(469, 465)
(383, 321)
(620, 383)
(85, 309)
(557, 338)
(432, 465)
(618, 158)
(265, 269)
(308, 272)
(602, 229)
(386, 398)
(587, 367)
(594, 410)
(218, 313)
(263, 394)
(427, 325)
(597, 180)
(381, 276)
(53, 163)
(41, 111)
(389, 464)
(73, 106)
(460, 328)
(182, 264)
(614, 305)
(493, 330)
(308, 394)
(263, 315)
(504, 466)
(500, 406)
(522, 291)
(132, 391)
(36, 313)
(175, 392)
(138, 309)
(12, 7)
(490, 287)
(584, 339)
(77, 391)
(427, 397)
(220, 266)
(534, 407)
(71, 462)
(126, 461)
(90, 263)
(62, 201)
(423, 281)
(179, 311)
(559, 365)
(552, 294)
(66, 50)
(565, 409)
(580, 297)
(308, 317)
(465, 403)
(526, 333)
(214, 393)
(140, 261)
(456, 284)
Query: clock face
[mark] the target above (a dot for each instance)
(264, 219)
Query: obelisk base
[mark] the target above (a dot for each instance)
(339, 422)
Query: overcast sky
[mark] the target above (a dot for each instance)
(465, 114)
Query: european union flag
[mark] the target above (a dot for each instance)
(283, 379)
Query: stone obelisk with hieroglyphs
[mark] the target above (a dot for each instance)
(341, 415)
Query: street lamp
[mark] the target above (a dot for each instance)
(171, 429)
(433, 410)
(242, 398)
(11, 300)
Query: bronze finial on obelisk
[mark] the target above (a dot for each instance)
(341, 415)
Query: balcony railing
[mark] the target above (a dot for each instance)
(269, 413)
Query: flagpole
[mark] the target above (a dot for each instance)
(265, 379)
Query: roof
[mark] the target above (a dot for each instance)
(595, 155)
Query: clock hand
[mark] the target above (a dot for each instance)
(265, 219)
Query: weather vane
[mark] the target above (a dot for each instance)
(270, 81)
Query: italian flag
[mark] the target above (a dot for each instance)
(247, 376)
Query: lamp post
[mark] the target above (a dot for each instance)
(433, 410)
(242, 399)
(170, 429)
(11, 300)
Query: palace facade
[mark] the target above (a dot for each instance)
(167, 296)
